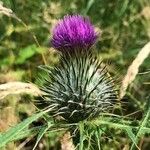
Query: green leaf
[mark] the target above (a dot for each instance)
(89, 5)
(143, 124)
(15, 131)
(41, 133)
(98, 134)
(27, 133)
(81, 127)
(118, 125)
(27, 53)
(131, 135)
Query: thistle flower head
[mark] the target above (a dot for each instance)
(78, 89)
(72, 33)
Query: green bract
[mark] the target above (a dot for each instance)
(78, 88)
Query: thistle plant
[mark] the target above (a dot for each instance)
(79, 87)
(79, 90)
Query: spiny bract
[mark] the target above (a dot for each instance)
(79, 88)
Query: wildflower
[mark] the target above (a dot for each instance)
(73, 33)
(79, 87)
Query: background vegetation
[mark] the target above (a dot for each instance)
(25, 44)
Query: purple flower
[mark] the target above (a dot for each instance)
(72, 33)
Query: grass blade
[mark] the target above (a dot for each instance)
(15, 131)
(40, 135)
(140, 131)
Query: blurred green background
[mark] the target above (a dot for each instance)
(25, 43)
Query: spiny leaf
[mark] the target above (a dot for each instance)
(81, 79)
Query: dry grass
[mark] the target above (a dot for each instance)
(134, 68)
(5, 11)
(12, 88)
(66, 142)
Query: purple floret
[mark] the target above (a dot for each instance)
(73, 32)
